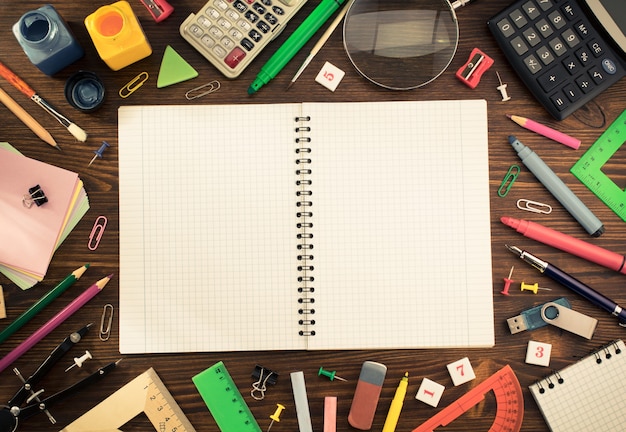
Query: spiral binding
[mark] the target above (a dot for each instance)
(600, 354)
(304, 225)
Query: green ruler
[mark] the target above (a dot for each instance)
(589, 167)
(222, 397)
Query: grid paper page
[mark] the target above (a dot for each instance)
(402, 245)
(207, 228)
(591, 397)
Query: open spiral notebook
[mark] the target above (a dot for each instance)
(304, 226)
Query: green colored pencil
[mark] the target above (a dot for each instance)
(42, 302)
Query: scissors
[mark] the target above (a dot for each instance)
(13, 412)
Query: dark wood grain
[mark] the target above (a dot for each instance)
(101, 183)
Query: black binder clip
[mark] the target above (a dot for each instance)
(35, 196)
(263, 376)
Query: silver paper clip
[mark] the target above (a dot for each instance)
(96, 232)
(533, 206)
(203, 90)
(105, 324)
(133, 85)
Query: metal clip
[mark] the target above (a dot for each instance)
(509, 179)
(96, 232)
(105, 325)
(134, 84)
(211, 87)
(533, 206)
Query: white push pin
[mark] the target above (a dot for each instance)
(502, 88)
(78, 361)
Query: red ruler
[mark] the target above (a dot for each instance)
(509, 401)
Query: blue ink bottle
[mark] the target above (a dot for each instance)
(47, 40)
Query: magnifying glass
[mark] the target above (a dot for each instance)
(401, 44)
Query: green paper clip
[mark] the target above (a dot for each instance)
(508, 180)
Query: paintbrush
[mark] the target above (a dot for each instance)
(19, 84)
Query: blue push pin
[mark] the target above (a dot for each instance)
(99, 152)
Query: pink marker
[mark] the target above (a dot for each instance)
(546, 131)
(53, 323)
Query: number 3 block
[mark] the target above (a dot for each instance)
(461, 371)
(430, 392)
(538, 353)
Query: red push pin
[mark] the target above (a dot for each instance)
(507, 283)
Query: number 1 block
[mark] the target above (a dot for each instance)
(461, 371)
(430, 392)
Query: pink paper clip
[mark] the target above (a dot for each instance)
(96, 232)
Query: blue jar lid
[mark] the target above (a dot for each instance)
(84, 91)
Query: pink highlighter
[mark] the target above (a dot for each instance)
(366, 395)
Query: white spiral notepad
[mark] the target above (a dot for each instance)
(587, 395)
(304, 226)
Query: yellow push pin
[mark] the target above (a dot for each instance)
(532, 287)
(276, 416)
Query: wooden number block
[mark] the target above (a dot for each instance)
(461, 371)
(330, 76)
(430, 392)
(538, 353)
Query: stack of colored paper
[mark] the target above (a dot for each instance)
(29, 236)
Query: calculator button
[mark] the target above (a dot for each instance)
(519, 46)
(596, 48)
(531, 36)
(585, 84)
(207, 41)
(247, 44)
(572, 93)
(531, 10)
(596, 75)
(232, 15)
(278, 10)
(204, 21)
(545, 4)
(544, 28)
(224, 23)
(221, 4)
(255, 35)
(609, 66)
(584, 55)
(545, 55)
(532, 64)
(271, 19)
(240, 6)
(252, 17)
(227, 43)
(195, 30)
(263, 26)
(258, 8)
(216, 32)
(212, 13)
(219, 51)
(518, 18)
(243, 25)
(267, 2)
(559, 101)
(571, 39)
(552, 78)
(557, 20)
(568, 11)
(558, 47)
(506, 28)
(235, 34)
(571, 65)
(582, 29)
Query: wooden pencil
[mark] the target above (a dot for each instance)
(27, 119)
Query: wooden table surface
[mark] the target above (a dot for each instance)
(101, 183)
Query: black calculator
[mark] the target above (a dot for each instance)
(561, 50)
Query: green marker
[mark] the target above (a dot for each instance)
(295, 42)
(43, 302)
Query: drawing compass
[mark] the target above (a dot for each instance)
(13, 411)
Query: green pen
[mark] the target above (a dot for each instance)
(42, 302)
(294, 43)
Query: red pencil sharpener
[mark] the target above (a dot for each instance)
(471, 72)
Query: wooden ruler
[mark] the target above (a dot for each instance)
(509, 401)
(588, 169)
(144, 394)
(222, 397)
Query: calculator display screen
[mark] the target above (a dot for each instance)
(612, 15)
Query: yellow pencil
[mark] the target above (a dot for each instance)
(27, 119)
(396, 405)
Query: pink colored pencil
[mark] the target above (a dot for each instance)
(546, 131)
(54, 322)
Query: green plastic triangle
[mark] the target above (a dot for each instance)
(174, 69)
